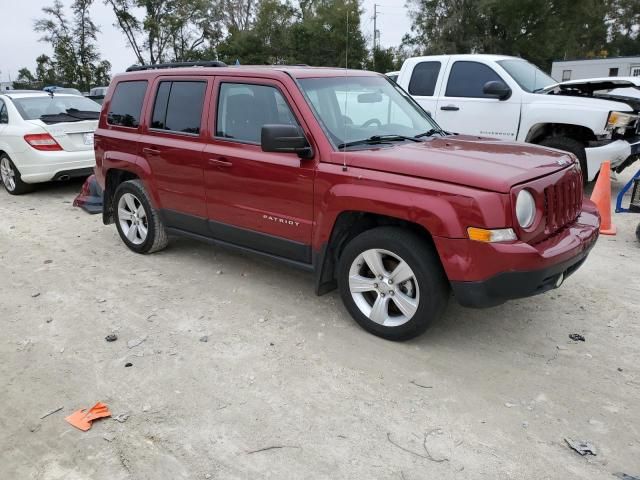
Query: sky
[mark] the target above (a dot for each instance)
(19, 45)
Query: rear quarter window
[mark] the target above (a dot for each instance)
(126, 104)
(424, 78)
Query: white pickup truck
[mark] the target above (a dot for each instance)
(509, 98)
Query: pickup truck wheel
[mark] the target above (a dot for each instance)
(11, 177)
(139, 225)
(572, 146)
(392, 283)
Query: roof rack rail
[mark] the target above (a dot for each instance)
(155, 66)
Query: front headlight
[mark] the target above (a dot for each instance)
(620, 120)
(525, 209)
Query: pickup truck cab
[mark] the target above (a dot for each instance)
(509, 98)
(340, 173)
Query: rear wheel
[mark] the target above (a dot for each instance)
(139, 224)
(392, 283)
(11, 178)
(572, 146)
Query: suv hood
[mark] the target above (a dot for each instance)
(485, 164)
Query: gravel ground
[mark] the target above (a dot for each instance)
(286, 385)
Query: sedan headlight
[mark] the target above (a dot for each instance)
(525, 209)
(620, 120)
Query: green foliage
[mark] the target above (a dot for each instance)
(76, 61)
(538, 30)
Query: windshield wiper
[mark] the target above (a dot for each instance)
(377, 139)
(430, 133)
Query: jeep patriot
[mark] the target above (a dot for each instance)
(343, 174)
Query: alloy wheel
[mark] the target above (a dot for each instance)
(8, 174)
(133, 219)
(384, 287)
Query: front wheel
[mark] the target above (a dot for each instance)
(572, 146)
(139, 224)
(392, 283)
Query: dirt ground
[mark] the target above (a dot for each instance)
(485, 394)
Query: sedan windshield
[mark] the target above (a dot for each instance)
(360, 111)
(528, 76)
(57, 108)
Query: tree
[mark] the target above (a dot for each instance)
(527, 28)
(75, 54)
(169, 29)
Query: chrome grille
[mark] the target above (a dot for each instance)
(563, 202)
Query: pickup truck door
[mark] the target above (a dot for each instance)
(255, 199)
(423, 81)
(463, 107)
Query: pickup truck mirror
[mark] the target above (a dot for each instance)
(497, 89)
(285, 139)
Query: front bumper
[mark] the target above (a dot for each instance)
(486, 274)
(616, 152)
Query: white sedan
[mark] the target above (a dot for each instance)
(45, 137)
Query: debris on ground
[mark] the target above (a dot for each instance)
(112, 337)
(109, 437)
(624, 476)
(122, 417)
(128, 364)
(413, 382)
(81, 419)
(47, 262)
(34, 295)
(34, 427)
(51, 412)
(146, 408)
(576, 337)
(583, 448)
(204, 338)
(273, 447)
(136, 341)
(509, 404)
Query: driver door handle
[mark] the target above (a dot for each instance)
(450, 108)
(150, 151)
(220, 162)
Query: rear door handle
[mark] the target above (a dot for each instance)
(150, 151)
(451, 108)
(220, 162)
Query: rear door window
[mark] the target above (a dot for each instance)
(178, 106)
(126, 104)
(4, 115)
(467, 79)
(424, 78)
(243, 109)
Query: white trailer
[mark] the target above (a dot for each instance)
(563, 70)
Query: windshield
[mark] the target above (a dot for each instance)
(356, 109)
(61, 108)
(528, 76)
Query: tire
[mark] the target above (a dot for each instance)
(10, 177)
(131, 196)
(572, 146)
(400, 316)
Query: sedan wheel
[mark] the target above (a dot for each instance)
(133, 219)
(8, 174)
(384, 287)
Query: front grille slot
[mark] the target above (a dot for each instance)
(563, 202)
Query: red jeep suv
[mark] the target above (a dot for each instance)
(341, 173)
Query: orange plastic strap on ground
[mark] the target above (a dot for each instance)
(82, 419)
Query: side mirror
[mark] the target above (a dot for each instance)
(285, 139)
(497, 89)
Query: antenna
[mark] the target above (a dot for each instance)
(346, 97)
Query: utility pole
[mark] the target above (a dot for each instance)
(375, 33)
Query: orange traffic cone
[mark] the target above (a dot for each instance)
(601, 196)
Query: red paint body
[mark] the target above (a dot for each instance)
(444, 185)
